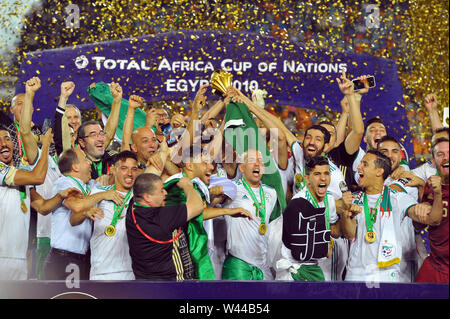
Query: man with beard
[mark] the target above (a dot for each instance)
(15, 204)
(389, 146)
(376, 240)
(317, 174)
(248, 239)
(314, 143)
(198, 168)
(343, 150)
(110, 257)
(426, 170)
(435, 268)
(93, 140)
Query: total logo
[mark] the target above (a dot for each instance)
(81, 62)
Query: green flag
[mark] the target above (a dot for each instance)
(101, 95)
(198, 238)
(242, 133)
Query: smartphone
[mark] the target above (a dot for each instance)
(358, 84)
(47, 124)
(168, 134)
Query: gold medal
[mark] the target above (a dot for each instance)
(24, 207)
(331, 243)
(298, 179)
(262, 228)
(370, 236)
(110, 230)
(23, 160)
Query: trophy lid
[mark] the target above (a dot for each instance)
(221, 80)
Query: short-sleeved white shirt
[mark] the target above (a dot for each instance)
(14, 223)
(63, 235)
(363, 256)
(46, 191)
(425, 171)
(243, 239)
(109, 254)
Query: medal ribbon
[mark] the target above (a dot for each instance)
(19, 140)
(316, 205)
(371, 214)
(119, 209)
(85, 192)
(146, 235)
(260, 207)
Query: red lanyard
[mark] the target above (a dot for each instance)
(147, 236)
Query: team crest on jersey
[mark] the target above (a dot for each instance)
(387, 250)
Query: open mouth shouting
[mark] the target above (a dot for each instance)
(5, 154)
(322, 189)
(257, 172)
(311, 150)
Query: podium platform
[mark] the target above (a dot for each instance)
(236, 290)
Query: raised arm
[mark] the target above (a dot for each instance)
(61, 130)
(269, 122)
(28, 140)
(113, 120)
(133, 103)
(37, 175)
(431, 104)
(353, 140)
(198, 103)
(213, 111)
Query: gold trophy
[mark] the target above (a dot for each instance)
(221, 81)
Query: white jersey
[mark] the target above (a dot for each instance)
(425, 171)
(299, 163)
(364, 257)
(14, 225)
(243, 239)
(110, 254)
(46, 190)
(409, 263)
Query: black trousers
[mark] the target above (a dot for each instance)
(63, 265)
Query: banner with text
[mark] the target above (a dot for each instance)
(172, 66)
